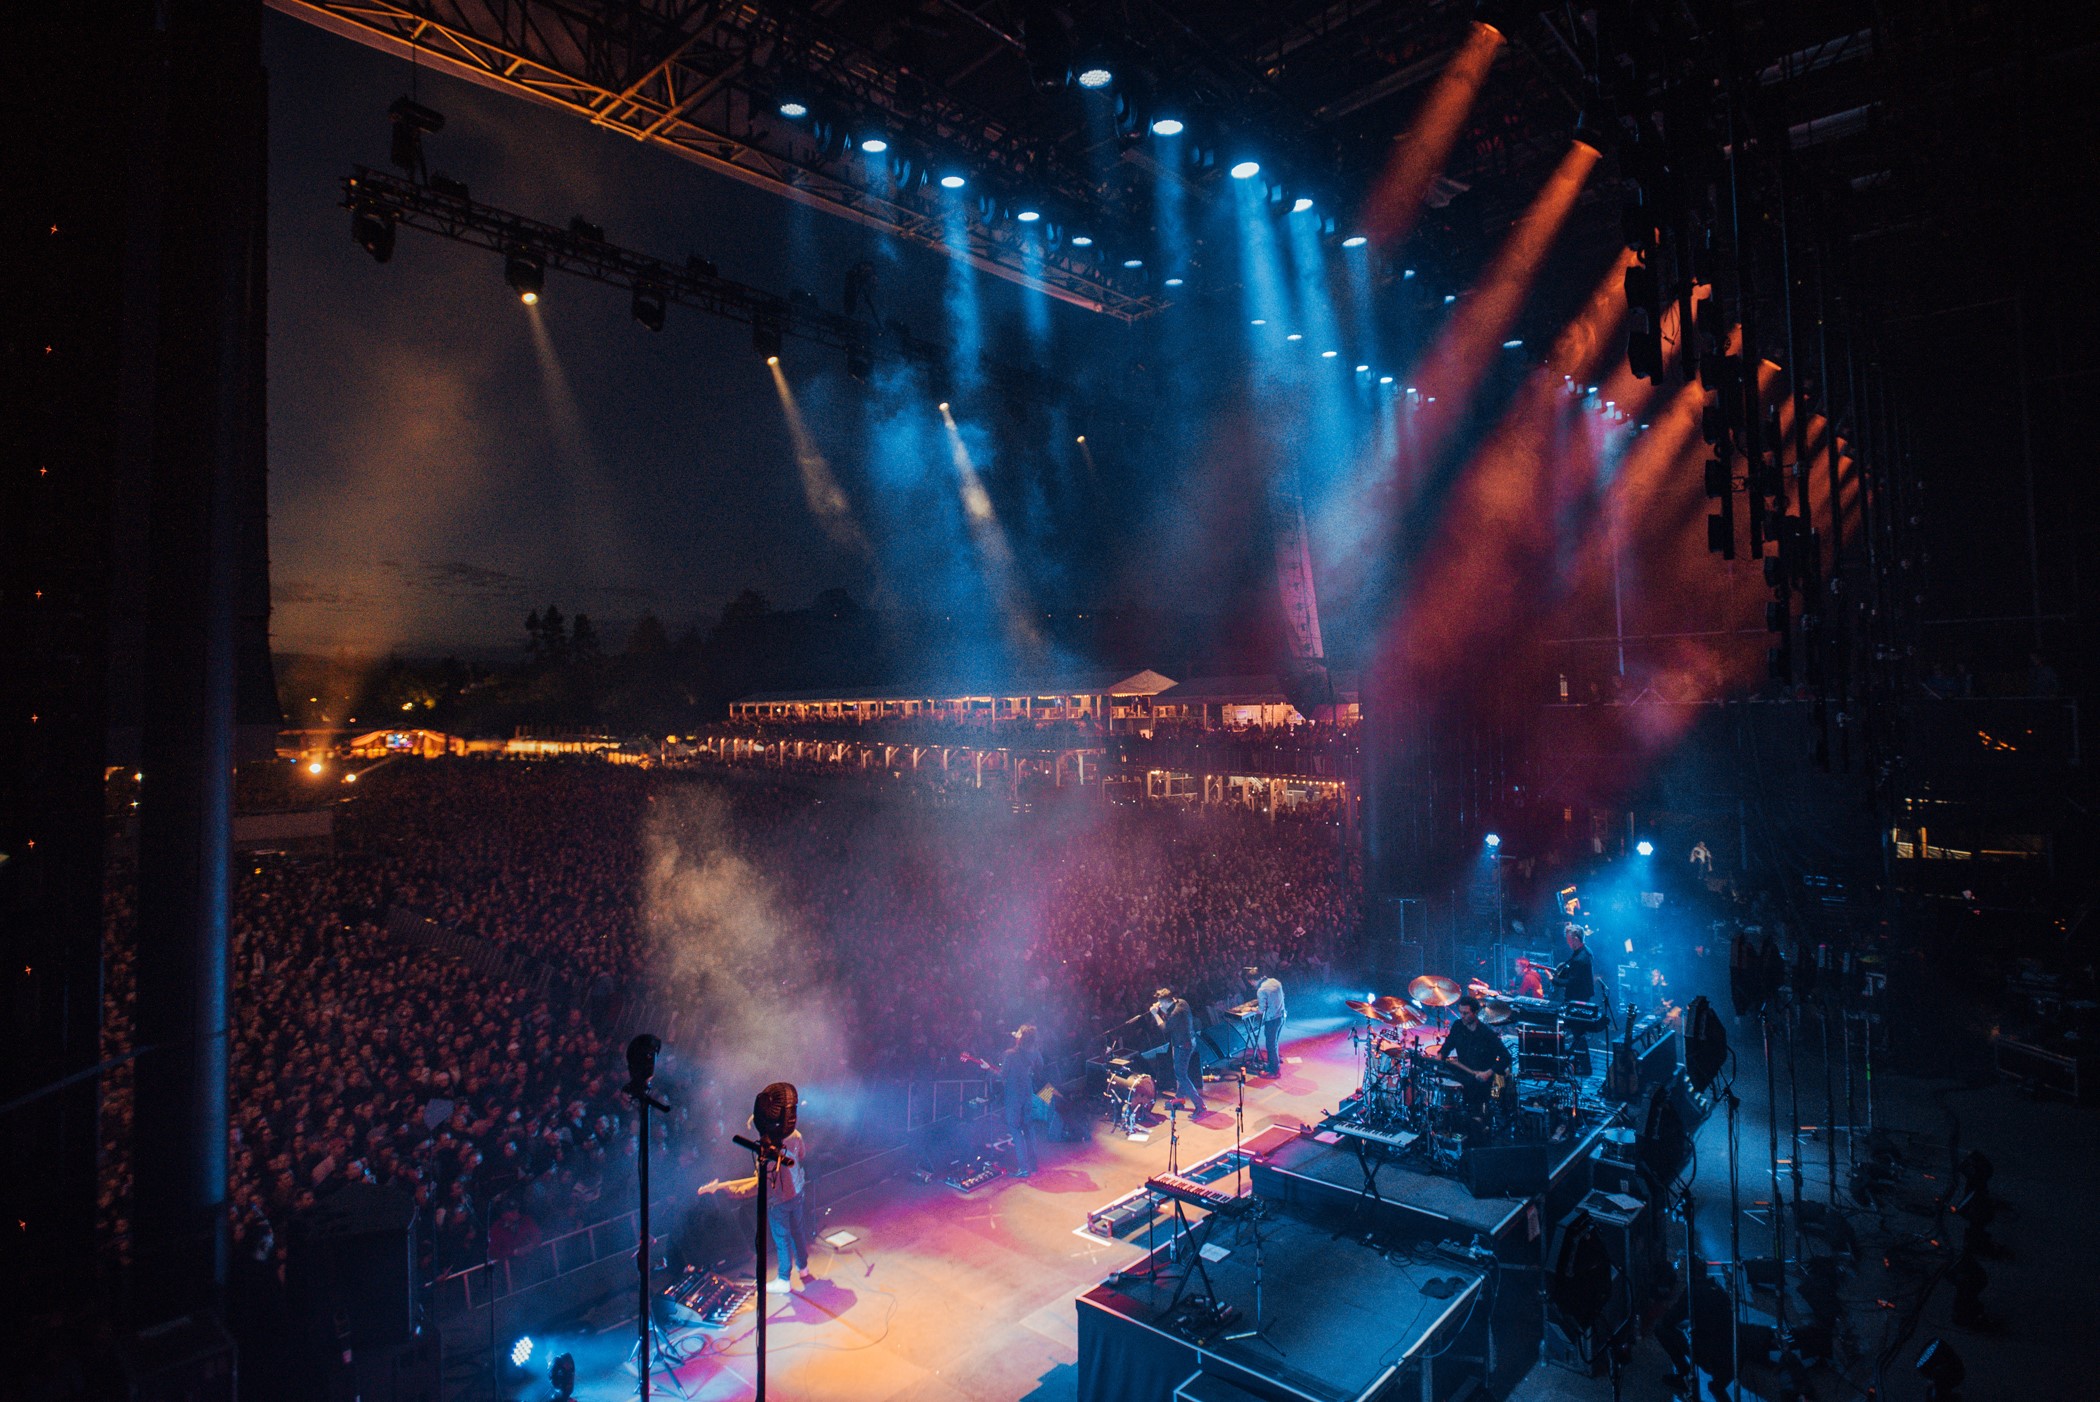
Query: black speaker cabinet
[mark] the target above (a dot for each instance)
(350, 1266)
(1506, 1170)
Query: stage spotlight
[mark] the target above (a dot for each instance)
(1172, 282)
(765, 338)
(1133, 262)
(314, 768)
(1449, 298)
(1363, 369)
(1082, 241)
(1590, 131)
(1358, 241)
(942, 406)
(373, 231)
(521, 1352)
(1166, 126)
(1329, 355)
(1029, 216)
(1300, 205)
(1493, 839)
(793, 108)
(648, 307)
(1259, 321)
(772, 360)
(1294, 336)
(1513, 343)
(1095, 76)
(1245, 170)
(1644, 847)
(1385, 379)
(953, 182)
(526, 274)
(1407, 274)
(874, 145)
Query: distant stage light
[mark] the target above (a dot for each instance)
(1355, 241)
(772, 360)
(1406, 273)
(1260, 321)
(874, 145)
(373, 231)
(1294, 336)
(1493, 839)
(1082, 241)
(1094, 77)
(314, 767)
(648, 307)
(1449, 298)
(1513, 344)
(1166, 126)
(1133, 262)
(1362, 369)
(793, 107)
(1029, 216)
(1246, 170)
(1173, 282)
(942, 406)
(1080, 439)
(953, 182)
(1300, 205)
(1644, 847)
(521, 1352)
(1385, 379)
(526, 274)
(1329, 355)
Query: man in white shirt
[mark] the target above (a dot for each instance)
(1268, 996)
(784, 1215)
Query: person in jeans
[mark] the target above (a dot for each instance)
(1268, 995)
(1171, 1015)
(785, 1220)
(1022, 1071)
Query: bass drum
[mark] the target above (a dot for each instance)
(1136, 1090)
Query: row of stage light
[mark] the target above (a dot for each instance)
(1055, 230)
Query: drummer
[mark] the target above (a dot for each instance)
(1474, 1051)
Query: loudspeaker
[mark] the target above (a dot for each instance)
(353, 1258)
(1506, 1170)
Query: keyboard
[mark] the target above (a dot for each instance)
(1392, 1139)
(1196, 1194)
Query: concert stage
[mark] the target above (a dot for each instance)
(1342, 1320)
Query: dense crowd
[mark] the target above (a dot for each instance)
(922, 929)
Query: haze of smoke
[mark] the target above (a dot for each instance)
(726, 945)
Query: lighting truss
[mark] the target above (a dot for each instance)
(463, 220)
(697, 76)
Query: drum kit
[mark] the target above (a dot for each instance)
(1130, 1092)
(1405, 1089)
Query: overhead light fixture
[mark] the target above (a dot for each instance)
(1246, 170)
(373, 231)
(1295, 336)
(1385, 379)
(1029, 216)
(1514, 343)
(1355, 241)
(1407, 274)
(1166, 126)
(793, 108)
(1082, 241)
(648, 307)
(953, 182)
(1363, 369)
(1644, 847)
(527, 275)
(1301, 204)
(1449, 298)
(874, 145)
(1329, 355)
(942, 406)
(1133, 262)
(1494, 840)
(772, 360)
(1261, 321)
(1172, 282)
(1095, 76)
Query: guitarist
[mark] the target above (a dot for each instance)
(1475, 1052)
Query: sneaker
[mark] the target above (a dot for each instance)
(777, 1286)
(809, 1277)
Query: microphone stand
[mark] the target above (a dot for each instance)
(644, 1102)
(1239, 1126)
(764, 1153)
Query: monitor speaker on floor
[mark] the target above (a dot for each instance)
(1506, 1170)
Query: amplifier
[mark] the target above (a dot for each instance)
(1659, 1057)
(1506, 1170)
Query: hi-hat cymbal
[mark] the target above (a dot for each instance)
(1495, 1012)
(1433, 991)
(1397, 1010)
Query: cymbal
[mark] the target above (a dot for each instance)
(1398, 1010)
(1363, 1009)
(1495, 1012)
(1433, 991)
